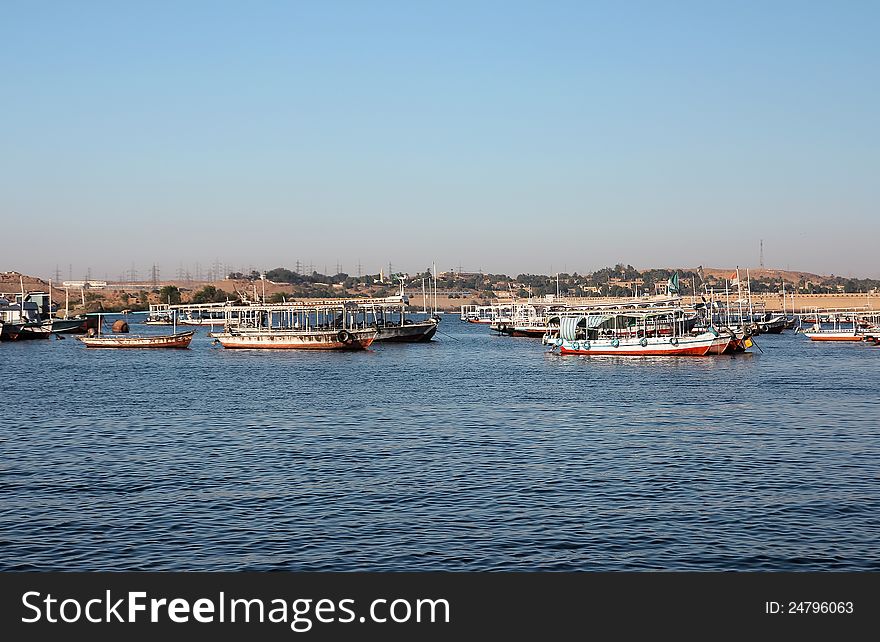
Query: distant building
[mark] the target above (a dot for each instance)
(85, 285)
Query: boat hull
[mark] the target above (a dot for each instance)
(172, 341)
(698, 346)
(408, 333)
(25, 331)
(331, 340)
(833, 336)
(526, 331)
(77, 325)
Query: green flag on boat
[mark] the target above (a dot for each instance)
(672, 284)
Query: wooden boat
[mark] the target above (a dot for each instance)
(283, 339)
(407, 332)
(175, 340)
(332, 324)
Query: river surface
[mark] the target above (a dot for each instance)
(473, 452)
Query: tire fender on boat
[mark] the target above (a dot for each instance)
(344, 336)
(643, 342)
(674, 341)
(575, 346)
(615, 343)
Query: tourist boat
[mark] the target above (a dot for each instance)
(206, 314)
(636, 334)
(485, 314)
(320, 325)
(521, 320)
(817, 333)
(388, 316)
(844, 327)
(159, 314)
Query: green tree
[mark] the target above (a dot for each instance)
(169, 294)
(210, 294)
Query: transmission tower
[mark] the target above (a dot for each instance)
(762, 254)
(154, 275)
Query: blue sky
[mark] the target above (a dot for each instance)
(503, 136)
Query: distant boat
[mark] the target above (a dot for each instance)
(159, 314)
(820, 334)
(844, 327)
(770, 324)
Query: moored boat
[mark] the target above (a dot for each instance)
(22, 321)
(175, 340)
(407, 332)
(635, 333)
(282, 339)
(322, 325)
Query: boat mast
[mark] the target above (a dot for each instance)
(739, 298)
(784, 313)
(749, 289)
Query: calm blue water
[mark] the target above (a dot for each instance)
(474, 452)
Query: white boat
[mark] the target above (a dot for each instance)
(323, 325)
(634, 333)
